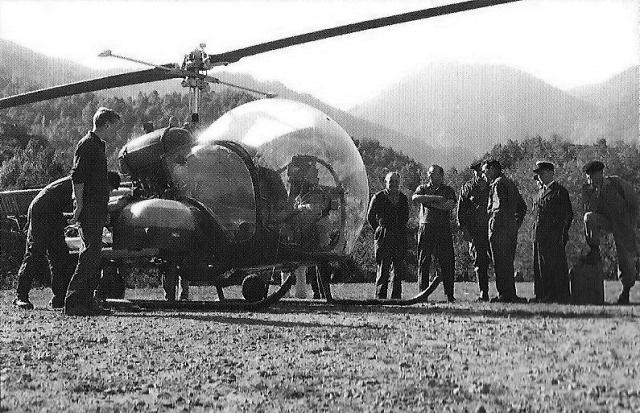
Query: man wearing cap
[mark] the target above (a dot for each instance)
(612, 207)
(473, 220)
(436, 201)
(554, 215)
(506, 210)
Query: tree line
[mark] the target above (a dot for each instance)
(37, 143)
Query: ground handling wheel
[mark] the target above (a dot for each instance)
(254, 288)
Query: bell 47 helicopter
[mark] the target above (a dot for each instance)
(271, 184)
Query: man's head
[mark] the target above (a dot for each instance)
(476, 167)
(105, 123)
(392, 181)
(114, 179)
(595, 172)
(491, 169)
(435, 174)
(545, 171)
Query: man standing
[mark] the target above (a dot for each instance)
(388, 216)
(45, 239)
(91, 193)
(553, 220)
(612, 207)
(434, 234)
(506, 210)
(473, 221)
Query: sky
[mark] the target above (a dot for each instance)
(566, 43)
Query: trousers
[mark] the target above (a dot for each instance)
(597, 225)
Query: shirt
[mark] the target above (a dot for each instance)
(431, 215)
(90, 168)
(56, 197)
(505, 205)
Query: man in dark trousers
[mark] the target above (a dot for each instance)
(45, 239)
(91, 194)
(388, 216)
(434, 233)
(612, 207)
(473, 221)
(554, 215)
(506, 210)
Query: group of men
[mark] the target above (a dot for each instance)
(89, 185)
(490, 213)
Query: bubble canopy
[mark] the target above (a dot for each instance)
(296, 143)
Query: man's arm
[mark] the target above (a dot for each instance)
(78, 190)
(371, 214)
(427, 199)
(521, 207)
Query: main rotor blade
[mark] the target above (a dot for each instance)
(235, 55)
(108, 82)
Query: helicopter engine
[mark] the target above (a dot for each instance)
(144, 159)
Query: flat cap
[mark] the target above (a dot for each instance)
(593, 166)
(476, 166)
(543, 166)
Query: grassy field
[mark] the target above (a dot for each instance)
(302, 355)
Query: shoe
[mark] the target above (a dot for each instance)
(451, 299)
(623, 297)
(22, 304)
(55, 304)
(484, 297)
(184, 298)
(498, 299)
(516, 299)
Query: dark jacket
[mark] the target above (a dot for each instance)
(389, 223)
(472, 204)
(90, 168)
(506, 207)
(554, 213)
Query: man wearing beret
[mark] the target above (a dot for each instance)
(551, 228)
(612, 207)
(506, 210)
(473, 221)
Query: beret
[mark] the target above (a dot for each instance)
(593, 166)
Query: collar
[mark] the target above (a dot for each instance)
(549, 184)
(430, 185)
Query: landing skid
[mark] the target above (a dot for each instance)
(222, 305)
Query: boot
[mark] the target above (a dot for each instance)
(23, 304)
(484, 297)
(623, 297)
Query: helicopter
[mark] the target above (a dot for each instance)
(272, 183)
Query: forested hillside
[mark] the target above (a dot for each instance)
(37, 141)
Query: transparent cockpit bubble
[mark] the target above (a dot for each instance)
(305, 161)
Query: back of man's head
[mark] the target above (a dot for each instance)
(104, 116)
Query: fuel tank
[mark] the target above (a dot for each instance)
(156, 223)
(143, 156)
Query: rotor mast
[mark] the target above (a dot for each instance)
(197, 62)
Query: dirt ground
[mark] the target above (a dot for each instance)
(307, 356)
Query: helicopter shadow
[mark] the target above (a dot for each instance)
(234, 320)
(462, 310)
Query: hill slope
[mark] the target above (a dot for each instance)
(476, 106)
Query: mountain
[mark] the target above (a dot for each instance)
(617, 99)
(476, 106)
(28, 69)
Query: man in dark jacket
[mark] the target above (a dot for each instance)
(45, 239)
(473, 221)
(388, 216)
(612, 207)
(506, 210)
(91, 194)
(434, 233)
(553, 220)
